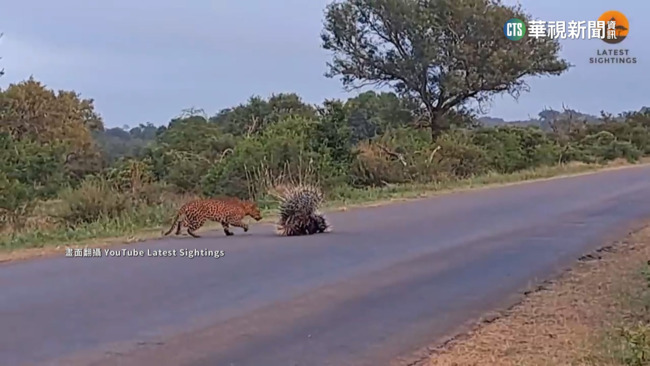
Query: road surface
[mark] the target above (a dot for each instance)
(385, 282)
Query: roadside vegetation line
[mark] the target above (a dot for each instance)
(45, 241)
(594, 314)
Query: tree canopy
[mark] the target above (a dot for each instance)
(29, 110)
(439, 53)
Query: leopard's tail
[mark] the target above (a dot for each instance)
(174, 222)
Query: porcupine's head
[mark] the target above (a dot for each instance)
(316, 224)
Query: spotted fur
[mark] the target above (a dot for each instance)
(228, 212)
(299, 211)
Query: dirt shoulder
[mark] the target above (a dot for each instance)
(598, 313)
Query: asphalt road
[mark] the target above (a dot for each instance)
(385, 282)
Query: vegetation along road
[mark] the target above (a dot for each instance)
(385, 282)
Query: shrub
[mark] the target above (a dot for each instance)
(284, 151)
(400, 155)
(29, 171)
(459, 157)
(509, 149)
(636, 345)
(603, 146)
(92, 200)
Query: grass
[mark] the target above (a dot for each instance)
(374, 196)
(145, 222)
(596, 314)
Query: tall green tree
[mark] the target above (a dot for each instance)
(440, 53)
(333, 133)
(29, 171)
(257, 114)
(371, 114)
(31, 111)
(183, 152)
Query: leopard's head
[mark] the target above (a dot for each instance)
(252, 210)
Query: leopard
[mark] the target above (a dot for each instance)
(226, 211)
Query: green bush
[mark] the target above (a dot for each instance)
(284, 151)
(400, 155)
(633, 128)
(459, 157)
(92, 200)
(509, 149)
(406, 155)
(636, 345)
(603, 146)
(29, 171)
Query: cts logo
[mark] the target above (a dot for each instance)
(514, 29)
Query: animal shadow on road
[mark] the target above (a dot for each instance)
(217, 234)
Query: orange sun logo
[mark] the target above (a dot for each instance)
(616, 26)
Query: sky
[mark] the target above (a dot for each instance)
(145, 61)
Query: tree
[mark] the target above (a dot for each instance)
(440, 53)
(118, 142)
(2, 71)
(371, 114)
(144, 132)
(257, 114)
(333, 133)
(30, 111)
(186, 149)
(197, 135)
(29, 171)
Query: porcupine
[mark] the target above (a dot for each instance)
(299, 211)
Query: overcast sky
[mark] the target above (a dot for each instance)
(145, 61)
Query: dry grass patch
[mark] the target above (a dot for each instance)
(595, 314)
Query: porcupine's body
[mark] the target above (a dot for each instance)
(228, 212)
(299, 211)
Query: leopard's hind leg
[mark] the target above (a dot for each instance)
(193, 225)
(192, 234)
(226, 229)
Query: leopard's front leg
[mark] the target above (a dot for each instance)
(241, 224)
